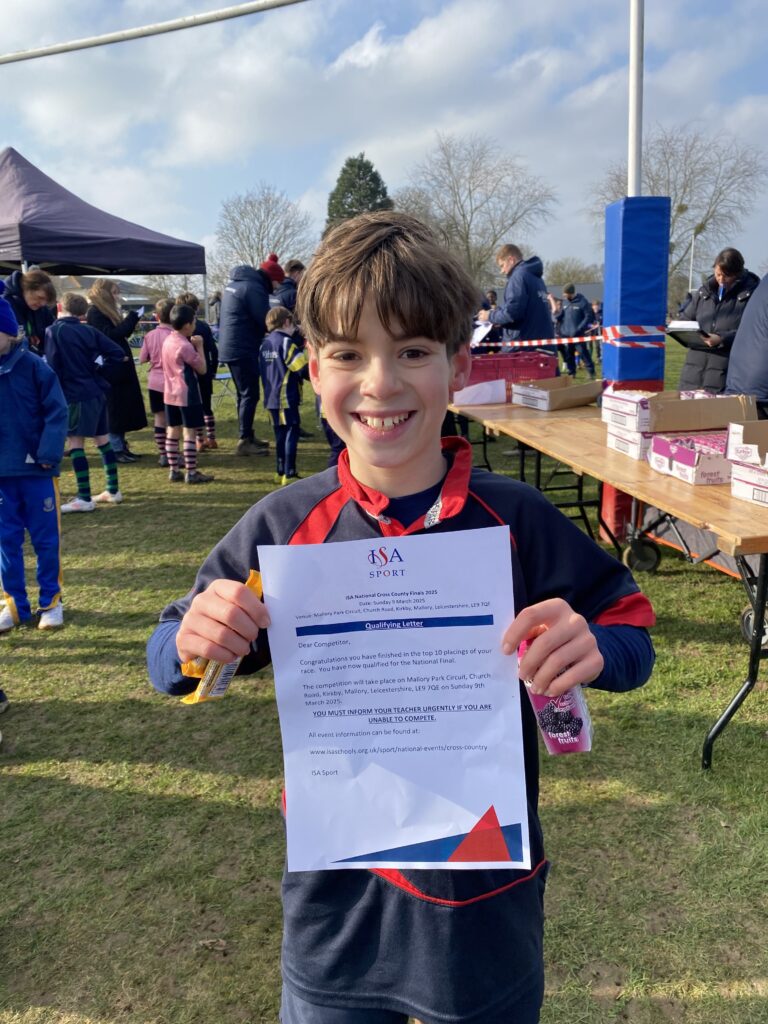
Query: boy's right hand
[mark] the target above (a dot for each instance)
(222, 623)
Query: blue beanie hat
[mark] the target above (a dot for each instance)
(8, 322)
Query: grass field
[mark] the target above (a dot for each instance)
(141, 845)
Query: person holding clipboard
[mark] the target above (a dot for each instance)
(717, 307)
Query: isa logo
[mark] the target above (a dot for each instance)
(385, 562)
(48, 505)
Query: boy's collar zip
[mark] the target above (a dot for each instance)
(450, 501)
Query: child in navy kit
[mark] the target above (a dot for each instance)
(75, 351)
(283, 363)
(183, 360)
(152, 353)
(387, 314)
(33, 426)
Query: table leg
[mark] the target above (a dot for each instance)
(755, 654)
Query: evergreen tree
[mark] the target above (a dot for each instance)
(359, 189)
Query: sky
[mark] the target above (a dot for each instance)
(162, 130)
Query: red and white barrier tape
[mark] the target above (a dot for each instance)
(619, 336)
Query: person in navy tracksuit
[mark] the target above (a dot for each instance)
(33, 428)
(283, 360)
(373, 947)
(524, 313)
(574, 318)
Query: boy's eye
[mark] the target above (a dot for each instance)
(344, 355)
(414, 353)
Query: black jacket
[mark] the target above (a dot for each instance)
(125, 402)
(706, 367)
(285, 294)
(244, 307)
(748, 365)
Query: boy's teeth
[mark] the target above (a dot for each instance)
(384, 423)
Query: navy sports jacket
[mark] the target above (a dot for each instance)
(438, 944)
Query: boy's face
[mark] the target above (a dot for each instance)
(6, 340)
(386, 398)
(187, 330)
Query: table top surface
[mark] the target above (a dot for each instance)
(576, 437)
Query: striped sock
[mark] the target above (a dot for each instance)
(160, 439)
(210, 426)
(172, 451)
(199, 435)
(110, 466)
(82, 476)
(190, 455)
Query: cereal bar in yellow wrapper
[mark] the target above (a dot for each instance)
(215, 676)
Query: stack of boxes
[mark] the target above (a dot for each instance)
(680, 434)
(747, 450)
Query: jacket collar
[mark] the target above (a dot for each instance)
(8, 361)
(451, 501)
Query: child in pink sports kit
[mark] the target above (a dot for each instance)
(183, 360)
(152, 353)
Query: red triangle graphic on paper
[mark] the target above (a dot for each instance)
(484, 842)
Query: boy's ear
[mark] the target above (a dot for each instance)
(314, 374)
(461, 363)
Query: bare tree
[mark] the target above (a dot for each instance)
(171, 285)
(569, 270)
(258, 222)
(475, 198)
(712, 181)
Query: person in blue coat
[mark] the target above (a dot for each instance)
(574, 319)
(285, 294)
(524, 313)
(748, 365)
(242, 327)
(32, 296)
(33, 428)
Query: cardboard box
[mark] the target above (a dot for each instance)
(748, 443)
(666, 411)
(749, 483)
(555, 393)
(693, 458)
(701, 459)
(634, 443)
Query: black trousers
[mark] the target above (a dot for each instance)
(245, 374)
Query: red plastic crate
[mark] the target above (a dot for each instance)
(514, 367)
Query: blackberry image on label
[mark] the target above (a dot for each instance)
(557, 722)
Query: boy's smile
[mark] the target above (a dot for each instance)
(386, 397)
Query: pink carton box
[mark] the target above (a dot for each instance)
(749, 483)
(693, 458)
(701, 459)
(634, 443)
(748, 443)
(564, 722)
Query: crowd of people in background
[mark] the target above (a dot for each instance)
(69, 378)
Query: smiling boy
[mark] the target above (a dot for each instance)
(388, 314)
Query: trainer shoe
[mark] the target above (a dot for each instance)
(196, 477)
(289, 479)
(109, 497)
(258, 444)
(78, 504)
(211, 443)
(277, 478)
(7, 621)
(162, 461)
(123, 457)
(175, 476)
(52, 618)
(243, 447)
(4, 702)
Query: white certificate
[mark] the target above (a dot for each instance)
(400, 716)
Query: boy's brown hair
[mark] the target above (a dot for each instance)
(38, 281)
(74, 304)
(188, 299)
(509, 250)
(420, 289)
(277, 316)
(163, 309)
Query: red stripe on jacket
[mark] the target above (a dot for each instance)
(631, 610)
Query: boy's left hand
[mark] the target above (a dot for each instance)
(562, 652)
